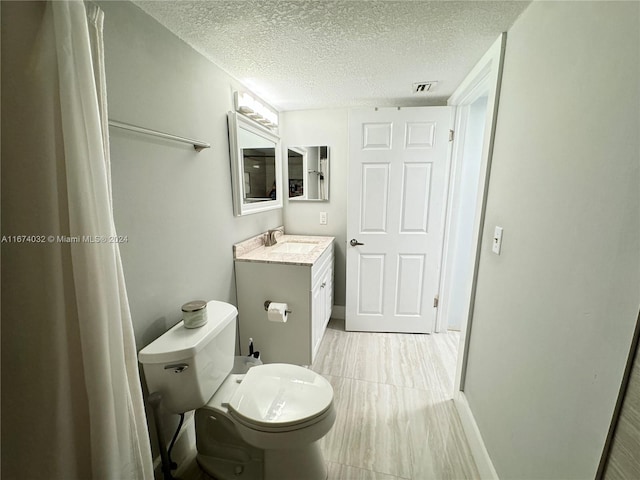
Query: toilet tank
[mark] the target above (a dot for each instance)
(187, 365)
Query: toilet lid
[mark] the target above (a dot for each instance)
(278, 395)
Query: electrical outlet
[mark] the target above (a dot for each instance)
(323, 218)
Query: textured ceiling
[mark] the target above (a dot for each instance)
(318, 54)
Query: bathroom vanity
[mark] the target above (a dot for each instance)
(298, 271)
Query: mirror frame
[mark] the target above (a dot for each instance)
(303, 150)
(237, 121)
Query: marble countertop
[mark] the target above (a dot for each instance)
(254, 250)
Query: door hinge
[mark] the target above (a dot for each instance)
(451, 135)
(436, 299)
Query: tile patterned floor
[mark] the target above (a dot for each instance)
(395, 416)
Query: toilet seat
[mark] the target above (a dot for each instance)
(328, 412)
(280, 398)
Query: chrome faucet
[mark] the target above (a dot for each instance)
(270, 238)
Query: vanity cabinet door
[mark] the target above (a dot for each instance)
(328, 297)
(321, 304)
(317, 314)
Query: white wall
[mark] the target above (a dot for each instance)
(554, 314)
(321, 127)
(174, 205)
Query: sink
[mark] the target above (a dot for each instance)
(294, 247)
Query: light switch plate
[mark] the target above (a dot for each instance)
(323, 218)
(497, 240)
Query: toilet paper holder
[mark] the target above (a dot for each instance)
(268, 302)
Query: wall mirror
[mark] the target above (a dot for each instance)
(308, 169)
(256, 166)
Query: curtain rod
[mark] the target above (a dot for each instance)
(197, 144)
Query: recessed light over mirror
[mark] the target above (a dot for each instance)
(256, 110)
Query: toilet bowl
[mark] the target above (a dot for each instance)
(262, 425)
(282, 410)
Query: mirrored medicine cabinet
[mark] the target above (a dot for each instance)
(256, 166)
(308, 172)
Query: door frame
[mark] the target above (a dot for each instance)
(457, 196)
(484, 79)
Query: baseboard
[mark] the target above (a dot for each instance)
(337, 312)
(474, 438)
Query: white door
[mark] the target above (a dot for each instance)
(398, 169)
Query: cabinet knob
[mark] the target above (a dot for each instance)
(323, 284)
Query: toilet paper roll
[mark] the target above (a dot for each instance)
(277, 312)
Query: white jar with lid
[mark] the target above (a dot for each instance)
(194, 313)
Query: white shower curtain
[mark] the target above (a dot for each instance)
(118, 440)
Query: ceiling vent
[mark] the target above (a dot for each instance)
(424, 87)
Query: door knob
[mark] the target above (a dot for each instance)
(355, 243)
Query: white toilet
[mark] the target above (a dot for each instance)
(262, 425)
